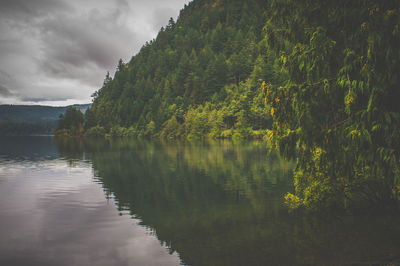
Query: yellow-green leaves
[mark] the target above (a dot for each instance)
(340, 97)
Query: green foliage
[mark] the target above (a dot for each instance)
(216, 123)
(117, 131)
(338, 108)
(259, 134)
(172, 129)
(90, 119)
(227, 134)
(97, 131)
(210, 59)
(196, 122)
(240, 115)
(292, 201)
(71, 124)
(150, 129)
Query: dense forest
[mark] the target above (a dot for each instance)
(319, 80)
(200, 77)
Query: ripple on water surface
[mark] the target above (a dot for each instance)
(53, 213)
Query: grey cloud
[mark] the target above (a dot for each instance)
(61, 49)
(26, 10)
(84, 44)
(161, 16)
(4, 76)
(4, 92)
(81, 41)
(42, 99)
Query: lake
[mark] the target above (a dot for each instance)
(136, 202)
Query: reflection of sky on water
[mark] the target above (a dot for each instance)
(52, 214)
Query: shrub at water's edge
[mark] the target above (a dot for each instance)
(96, 131)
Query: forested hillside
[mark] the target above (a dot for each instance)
(321, 76)
(200, 76)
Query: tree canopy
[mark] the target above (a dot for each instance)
(71, 123)
(211, 59)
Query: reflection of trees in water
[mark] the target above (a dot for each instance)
(220, 204)
(31, 148)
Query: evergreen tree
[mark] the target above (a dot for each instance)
(71, 123)
(193, 61)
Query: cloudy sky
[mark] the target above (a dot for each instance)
(57, 52)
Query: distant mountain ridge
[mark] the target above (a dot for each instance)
(32, 119)
(34, 113)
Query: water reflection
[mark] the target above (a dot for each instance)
(209, 203)
(221, 204)
(52, 213)
(33, 148)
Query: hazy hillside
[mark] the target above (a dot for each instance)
(31, 119)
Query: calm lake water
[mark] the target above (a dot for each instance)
(130, 202)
